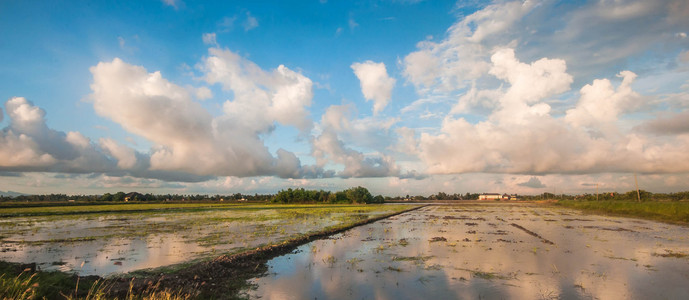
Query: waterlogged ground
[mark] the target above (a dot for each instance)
(119, 242)
(487, 252)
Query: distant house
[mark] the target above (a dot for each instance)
(505, 197)
(489, 196)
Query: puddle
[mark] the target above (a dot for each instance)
(104, 244)
(477, 252)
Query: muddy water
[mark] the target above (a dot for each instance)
(487, 252)
(104, 244)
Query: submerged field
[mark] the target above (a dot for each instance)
(109, 239)
(499, 251)
(460, 251)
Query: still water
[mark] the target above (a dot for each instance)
(112, 243)
(487, 252)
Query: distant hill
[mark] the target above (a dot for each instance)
(11, 194)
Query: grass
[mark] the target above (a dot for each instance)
(24, 284)
(19, 287)
(29, 285)
(671, 212)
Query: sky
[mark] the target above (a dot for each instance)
(399, 96)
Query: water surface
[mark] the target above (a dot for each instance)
(487, 252)
(107, 243)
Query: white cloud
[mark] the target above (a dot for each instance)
(210, 39)
(376, 85)
(186, 136)
(352, 24)
(27, 144)
(126, 157)
(173, 3)
(260, 97)
(529, 84)
(203, 93)
(250, 23)
(493, 19)
(521, 136)
(601, 104)
(226, 24)
(329, 147)
(537, 29)
(463, 55)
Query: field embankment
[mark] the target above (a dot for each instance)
(670, 212)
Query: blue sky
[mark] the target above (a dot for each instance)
(403, 97)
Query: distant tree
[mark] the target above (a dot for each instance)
(119, 196)
(359, 195)
(106, 197)
(338, 197)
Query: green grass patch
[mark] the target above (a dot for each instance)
(671, 212)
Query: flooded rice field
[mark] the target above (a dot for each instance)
(118, 242)
(487, 252)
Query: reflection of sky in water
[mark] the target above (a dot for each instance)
(118, 243)
(485, 257)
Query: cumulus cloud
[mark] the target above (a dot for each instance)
(189, 143)
(521, 135)
(260, 97)
(667, 124)
(126, 157)
(601, 104)
(27, 144)
(328, 147)
(376, 85)
(187, 137)
(203, 93)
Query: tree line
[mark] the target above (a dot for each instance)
(134, 196)
(352, 195)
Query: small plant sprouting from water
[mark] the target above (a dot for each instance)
(330, 261)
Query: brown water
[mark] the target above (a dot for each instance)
(487, 252)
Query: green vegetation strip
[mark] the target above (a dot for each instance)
(670, 212)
